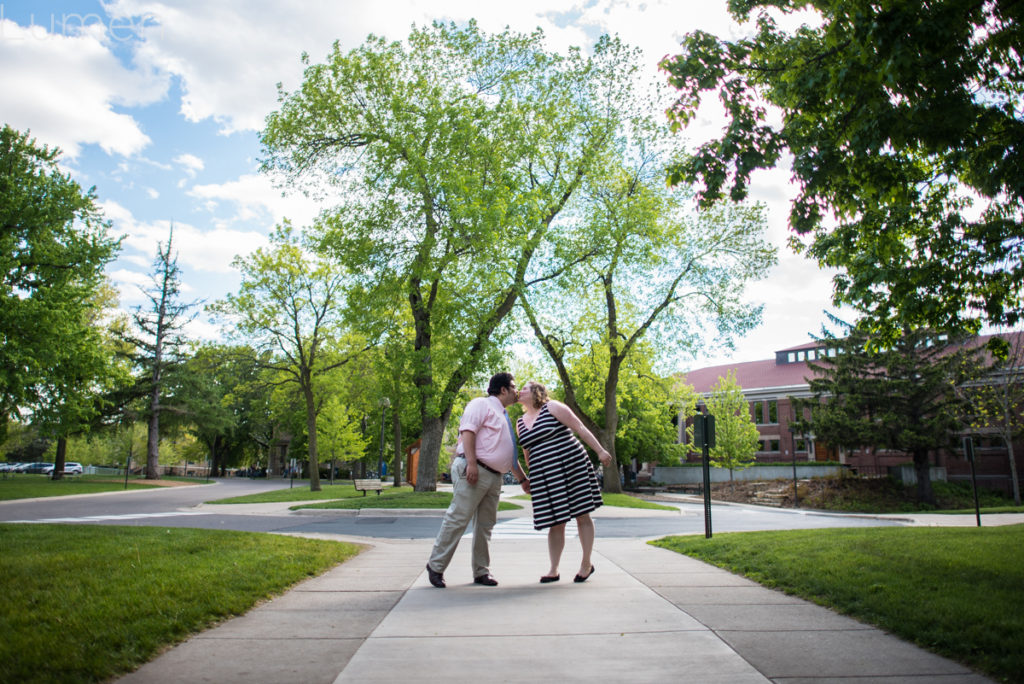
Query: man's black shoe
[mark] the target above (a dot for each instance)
(486, 580)
(436, 578)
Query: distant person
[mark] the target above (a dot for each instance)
(562, 481)
(484, 452)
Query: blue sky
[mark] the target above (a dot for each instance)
(158, 104)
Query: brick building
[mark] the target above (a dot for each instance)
(768, 386)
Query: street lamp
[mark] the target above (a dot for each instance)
(384, 403)
(704, 437)
(796, 497)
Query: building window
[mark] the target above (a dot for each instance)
(770, 446)
(765, 412)
(791, 357)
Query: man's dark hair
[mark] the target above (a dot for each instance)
(499, 381)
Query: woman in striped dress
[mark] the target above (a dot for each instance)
(563, 485)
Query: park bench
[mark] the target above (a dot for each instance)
(368, 486)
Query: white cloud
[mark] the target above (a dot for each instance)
(230, 54)
(124, 276)
(65, 88)
(207, 251)
(203, 329)
(254, 196)
(191, 163)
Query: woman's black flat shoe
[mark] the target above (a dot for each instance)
(549, 578)
(581, 578)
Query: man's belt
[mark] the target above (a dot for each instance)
(481, 464)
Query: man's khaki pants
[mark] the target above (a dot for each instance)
(470, 503)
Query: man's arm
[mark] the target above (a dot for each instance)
(469, 449)
(520, 475)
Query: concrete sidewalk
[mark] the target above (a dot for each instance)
(646, 615)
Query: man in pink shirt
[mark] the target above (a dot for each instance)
(484, 452)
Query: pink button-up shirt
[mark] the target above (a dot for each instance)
(485, 417)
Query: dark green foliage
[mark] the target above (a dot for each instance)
(886, 495)
(904, 122)
(897, 397)
(54, 245)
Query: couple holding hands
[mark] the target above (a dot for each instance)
(562, 482)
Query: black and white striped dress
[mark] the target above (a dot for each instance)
(562, 480)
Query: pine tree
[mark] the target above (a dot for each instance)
(897, 396)
(159, 341)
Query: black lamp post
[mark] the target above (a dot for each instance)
(796, 496)
(704, 437)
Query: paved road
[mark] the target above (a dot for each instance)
(183, 507)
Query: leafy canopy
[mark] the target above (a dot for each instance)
(54, 245)
(455, 152)
(904, 122)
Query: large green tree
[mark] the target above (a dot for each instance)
(216, 397)
(904, 122)
(897, 396)
(54, 245)
(290, 304)
(645, 405)
(92, 382)
(652, 271)
(456, 151)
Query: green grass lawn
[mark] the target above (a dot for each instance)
(622, 501)
(86, 603)
(628, 501)
(24, 486)
(958, 592)
(300, 492)
(399, 499)
(345, 496)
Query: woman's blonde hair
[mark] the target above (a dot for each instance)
(539, 393)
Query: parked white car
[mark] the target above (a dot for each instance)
(70, 468)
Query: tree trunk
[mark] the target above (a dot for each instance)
(214, 458)
(612, 485)
(923, 467)
(62, 454)
(314, 464)
(153, 437)
(396, 424)
(430, 450)
(1013, 471)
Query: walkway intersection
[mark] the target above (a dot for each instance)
(646, 615)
